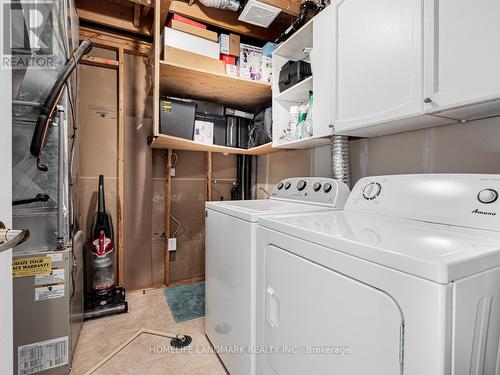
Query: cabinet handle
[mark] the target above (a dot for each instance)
(272, 308)
(427, 100)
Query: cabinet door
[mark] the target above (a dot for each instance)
(321, 322)
(462, 53)
(378, 57)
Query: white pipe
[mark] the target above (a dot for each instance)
(233, 5)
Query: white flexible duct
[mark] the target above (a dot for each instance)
(222, 4)
(341, 166)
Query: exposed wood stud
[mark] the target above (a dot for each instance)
(121, 167)
(209, 176)
(100, 62)
(291, 7)
(114, 42)
(165, 8)
(168, 208)
(111, 14)
(156, 69)
(191, 280)
(137, 15)
(145, 10)
(149, 2)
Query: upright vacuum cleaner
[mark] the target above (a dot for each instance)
(106, 297)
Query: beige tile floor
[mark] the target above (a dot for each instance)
(147, 354)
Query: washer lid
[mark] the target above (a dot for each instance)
(250, 210)
(436, 252)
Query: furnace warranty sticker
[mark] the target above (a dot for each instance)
(31, 267)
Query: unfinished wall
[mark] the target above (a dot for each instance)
(98, 135)
(138, 264)
(461, 148)
(99, 154)
(189, 193)
(272, 168)
(144, 223)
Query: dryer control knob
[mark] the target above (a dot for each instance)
(287, 185)
(301, 185)
(317, 186)
(280, 186)
(487, 196)
(372, 190)
(327, 187)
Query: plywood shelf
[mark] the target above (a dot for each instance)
(178, 80)
(175, 143)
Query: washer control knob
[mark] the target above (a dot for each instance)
(487, 196)
(372, 190)
(327, 187)
(287, 185)
(301, 185)
(317, 186)
(280, 186)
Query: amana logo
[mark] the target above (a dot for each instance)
(476, 211)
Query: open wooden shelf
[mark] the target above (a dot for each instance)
(178, 80)
(175, 143)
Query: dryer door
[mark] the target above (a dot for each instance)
(322, 322)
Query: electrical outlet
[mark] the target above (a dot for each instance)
(172, 244)
(172, 172)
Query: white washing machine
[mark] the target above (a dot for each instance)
(404, 280)
(231, 257)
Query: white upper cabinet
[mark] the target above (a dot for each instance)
(462, 52)
(462, 58)
(377, 61)
(399, 65)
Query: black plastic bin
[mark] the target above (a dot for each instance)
(293, 72)
(177, 117)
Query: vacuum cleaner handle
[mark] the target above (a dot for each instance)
(101, 206)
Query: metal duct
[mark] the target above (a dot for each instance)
(341, 168)
(233, 5)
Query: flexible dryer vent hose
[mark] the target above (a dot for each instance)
(341, 166)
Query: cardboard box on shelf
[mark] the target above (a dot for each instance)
(193, 30)
(228, 59)
(187, 42)
(192, 60)
(234, 45)
(189, 21)
(232, 70)
(266, 69)
(251, 60)
(229, 44)
(245, 73)
(268, 49)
